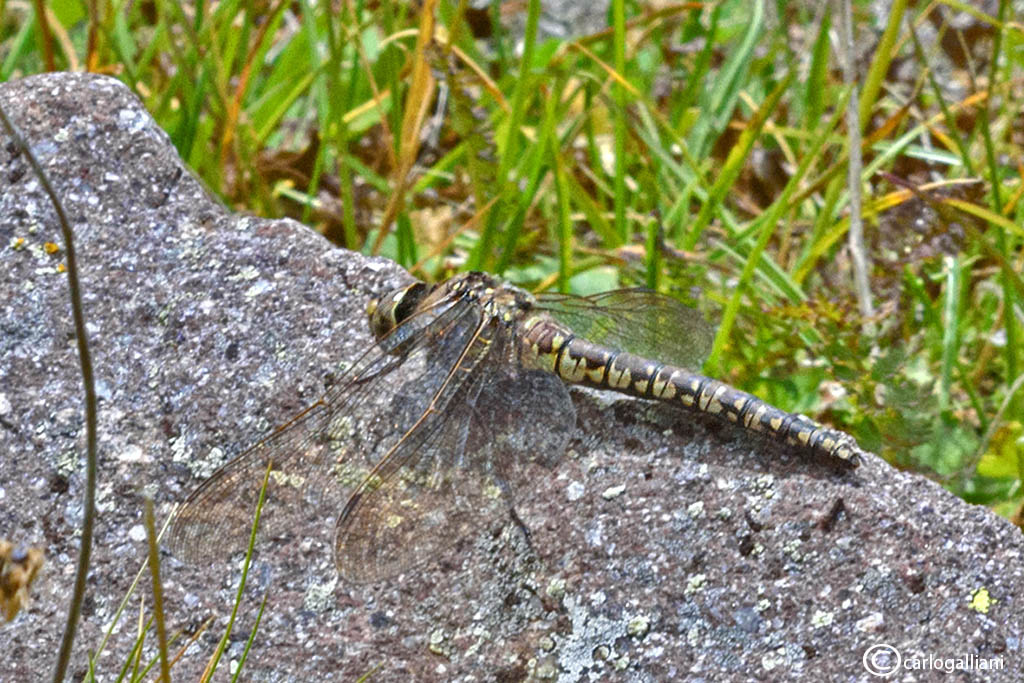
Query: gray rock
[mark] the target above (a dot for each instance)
(208, 328)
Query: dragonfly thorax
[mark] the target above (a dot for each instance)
(497, 298)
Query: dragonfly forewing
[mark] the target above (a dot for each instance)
(317, 459)
(461, 466)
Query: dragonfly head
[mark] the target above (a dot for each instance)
(391, 310)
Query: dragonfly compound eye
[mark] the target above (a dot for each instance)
(391, 310)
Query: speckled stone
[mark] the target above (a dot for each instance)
(208, 328)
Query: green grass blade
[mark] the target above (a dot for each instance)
(950, 330)
(251, 639)
(211, 667)
(726, 87)
(734, 163)
(619, 118)
(767, 223)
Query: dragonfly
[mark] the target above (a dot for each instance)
(459, 408)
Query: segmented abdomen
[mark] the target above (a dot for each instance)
(579, 361)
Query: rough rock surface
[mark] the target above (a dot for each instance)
(662, 548)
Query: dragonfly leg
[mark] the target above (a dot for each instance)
(525, 530)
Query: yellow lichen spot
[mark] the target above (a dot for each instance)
(981, 601)
(393, 521)
(18, 243)
(51, 247)
(285, 479)
(348, 475)
(61, 268)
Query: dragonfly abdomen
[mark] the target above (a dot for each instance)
(580, 361)
(717, 398)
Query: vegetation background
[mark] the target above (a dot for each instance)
(843, 199)
(838, 185)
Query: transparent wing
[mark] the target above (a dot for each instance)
(484, 439)
(318, 458)
(639, 321)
